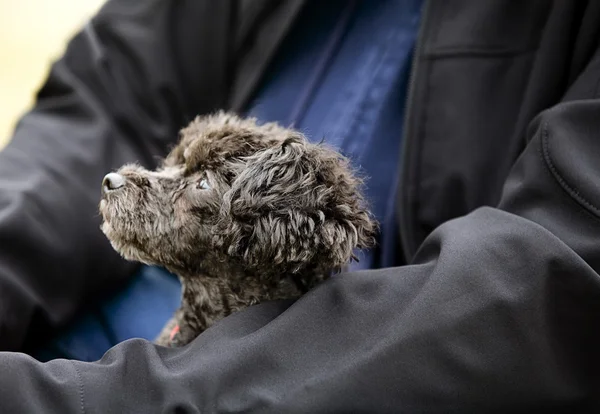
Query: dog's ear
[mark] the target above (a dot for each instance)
(296, 206)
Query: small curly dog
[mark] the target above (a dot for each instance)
(242, 213)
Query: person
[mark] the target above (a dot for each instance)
(483, 297)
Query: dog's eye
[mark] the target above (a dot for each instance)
(203, 185)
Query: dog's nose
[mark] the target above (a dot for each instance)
(112, 181)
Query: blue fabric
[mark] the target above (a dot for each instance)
(357, 94)
(140, 310)
(342, 76)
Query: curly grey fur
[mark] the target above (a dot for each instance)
(279, 215)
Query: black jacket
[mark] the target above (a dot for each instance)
(498, 309)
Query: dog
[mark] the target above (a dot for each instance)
(242, 212)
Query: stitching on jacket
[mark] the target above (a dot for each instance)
(595, 95)
(561, 181)
(80, 379)
(419, 144)
(448, 52)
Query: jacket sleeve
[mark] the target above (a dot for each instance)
(499, 312)
(133, 76)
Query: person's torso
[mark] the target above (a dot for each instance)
(341, 77)
(483, 70)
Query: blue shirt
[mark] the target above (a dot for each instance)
(342, 76)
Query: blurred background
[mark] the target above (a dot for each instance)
(32, 34)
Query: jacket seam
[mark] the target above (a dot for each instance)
(80, 388)
(415, 120)
(576, 195)
(418, 165)
(596, 89)
(476, 53)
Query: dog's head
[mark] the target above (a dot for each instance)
(260, 196)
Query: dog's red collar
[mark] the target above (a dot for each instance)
(174, 332)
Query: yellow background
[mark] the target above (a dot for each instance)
(32, 34)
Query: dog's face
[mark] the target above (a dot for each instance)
(162, 217)
(260, 196)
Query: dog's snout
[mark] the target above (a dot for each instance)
(112, 181)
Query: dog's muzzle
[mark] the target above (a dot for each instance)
(112, 182)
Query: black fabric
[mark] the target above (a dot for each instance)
(498, 310)
(483, 71)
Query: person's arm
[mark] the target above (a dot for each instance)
(134, 75)
(498, 313)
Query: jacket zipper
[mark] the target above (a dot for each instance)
(405, 201)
